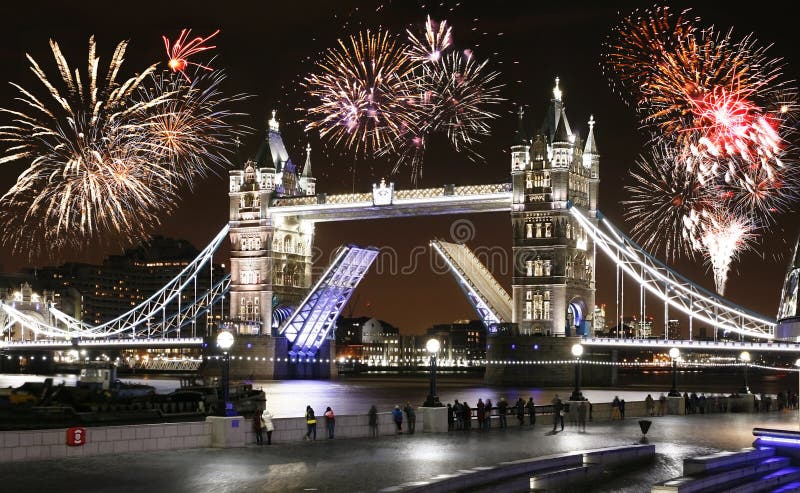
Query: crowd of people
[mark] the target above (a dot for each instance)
(462, 417)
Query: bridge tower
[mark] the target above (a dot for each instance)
(270, 257)
(553, 286)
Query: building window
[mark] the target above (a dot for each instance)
(537, 267)
(529, 268)
(528, 182)
(537, 306)
(538, 230)
(546, 180)
(528, 295)
(529, 230)
(528, 310)
(548, 229)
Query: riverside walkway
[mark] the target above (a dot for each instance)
(386, 462)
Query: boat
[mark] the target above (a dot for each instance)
(245, 399)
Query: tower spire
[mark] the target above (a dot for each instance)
(557, 91)
(591, 146)
(307, 167)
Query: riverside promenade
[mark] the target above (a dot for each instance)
(388, 462)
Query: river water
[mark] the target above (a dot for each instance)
(355, 394)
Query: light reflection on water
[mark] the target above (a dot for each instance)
(355, 395)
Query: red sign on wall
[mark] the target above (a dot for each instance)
(76, 436)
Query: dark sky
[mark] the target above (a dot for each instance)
(267, 47)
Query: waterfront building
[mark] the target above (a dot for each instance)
(462, 342)
(673, 329)
(368, 340)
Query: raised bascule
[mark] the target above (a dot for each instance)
(284, 316)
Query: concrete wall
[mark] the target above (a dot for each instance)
(103, 440)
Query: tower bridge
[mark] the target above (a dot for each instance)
(280, 312)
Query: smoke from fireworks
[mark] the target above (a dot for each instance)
(180, 51)
(723, 107)
(107, 157)
(379, 96)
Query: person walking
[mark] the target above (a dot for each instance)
(558, 413)
(489, 407)
(502, 411)
(481, 414)
(411, 418)
(258, 427)
(531, 407)
(266, 422)
(582, 408)
(330, 421)
(521, 411)
(311, 424)
(373, 421)
(397, 415)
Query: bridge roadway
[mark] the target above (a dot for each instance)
(161, 342)
(666, 344)
(386, 463)
(414, 202)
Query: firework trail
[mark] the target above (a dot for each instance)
(722, 237)
(180, 51)
(107, 156)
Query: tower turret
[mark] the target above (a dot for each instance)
(308, 183)
(520, 151)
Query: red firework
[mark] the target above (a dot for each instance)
(181, 50)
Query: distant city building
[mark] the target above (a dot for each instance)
(368, 340)
(98, 293)
(642, 328)
(599, 325)
(462, 342)
(673, 329)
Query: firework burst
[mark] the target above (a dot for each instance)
(362, 88)
(663, 194)
(438, 38)
(180, 51)
(106, 157)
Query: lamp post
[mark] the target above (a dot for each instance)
(674, 354)
(577, 351)
(745, 358)
(797, 364)
(225, 341)
(433, 347)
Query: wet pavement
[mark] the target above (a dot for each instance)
(355, 465)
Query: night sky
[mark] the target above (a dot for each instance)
(267, 47)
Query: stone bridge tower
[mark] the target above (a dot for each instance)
(554, 265)
(270, 257)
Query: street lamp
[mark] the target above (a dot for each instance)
(433, 347)
(577, 351)
(225, 341)
(745, 358)
(674, 353)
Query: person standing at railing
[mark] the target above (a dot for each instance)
(411, 418)
(502, 411)
(266, 421)
(311, 424)
(258, 426)
(481, 414)
(373, 421)
(531, 411)
(489, 407)
(521, 411)
(330, 421)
